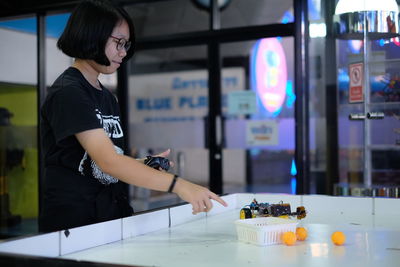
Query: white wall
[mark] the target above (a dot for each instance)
(18, 59)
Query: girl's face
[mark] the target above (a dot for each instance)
(115, 51)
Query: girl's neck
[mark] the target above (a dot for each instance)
(90, 74)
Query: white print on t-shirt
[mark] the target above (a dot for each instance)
(103, 177)
(112, 127)
(111, 124)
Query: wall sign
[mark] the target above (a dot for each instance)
(356, 92)
(262, 133)
(242, 102)
(177, 96)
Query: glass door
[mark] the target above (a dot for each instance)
(383, 116)
(168, 105)
(18, 128)
(368, 60)
(259, 116)
(351, 113)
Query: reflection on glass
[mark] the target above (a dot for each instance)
(168, 104)
(261, 140)
(56, 61)
(18, 128)
(240, 13)
(368, 147)
(167, 17)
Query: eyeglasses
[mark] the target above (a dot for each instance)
(122, 43)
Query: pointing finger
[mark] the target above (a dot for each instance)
(218, 199)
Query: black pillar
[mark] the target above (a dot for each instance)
(302, 157)
(41, 93)
(123, 95)
(214, 129)
(332, 144)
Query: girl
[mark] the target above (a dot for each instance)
(81, 132)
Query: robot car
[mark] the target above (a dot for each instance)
(281, 209)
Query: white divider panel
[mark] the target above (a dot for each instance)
(89, 236)
(243, 199)
(387, 212)
(46, 245)
(183, 214)
(294, 200)
(218, 208)
(337, 210)
(145, 223)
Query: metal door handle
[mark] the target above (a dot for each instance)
(370, 115)
(356, 116)
(375, 115)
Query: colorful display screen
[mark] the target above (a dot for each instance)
(269, 73)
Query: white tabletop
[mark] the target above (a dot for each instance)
(173, 237)
(212, 241)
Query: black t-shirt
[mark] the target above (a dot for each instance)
(76, 191)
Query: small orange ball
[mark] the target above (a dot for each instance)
(301, 233)
(338, 238)
(289, 238)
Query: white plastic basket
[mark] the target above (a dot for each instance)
(264, 231)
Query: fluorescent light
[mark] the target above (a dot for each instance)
(350, 6)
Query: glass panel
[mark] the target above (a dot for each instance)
(351, 131)
(241, 13)
(168, 100)
(384, 111)
(317, 93)
(167, 17)
(369, 94)
(56, 60)
(18, 128)
(259, 112)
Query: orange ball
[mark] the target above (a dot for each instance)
(289, 238)
(301, 233)
(338, 238)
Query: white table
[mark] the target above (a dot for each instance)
(371, 225)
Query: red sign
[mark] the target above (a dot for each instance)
(356, 92)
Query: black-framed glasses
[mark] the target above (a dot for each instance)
(122, 43)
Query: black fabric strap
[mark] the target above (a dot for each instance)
(171, 187)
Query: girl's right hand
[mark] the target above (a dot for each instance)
(198, 196)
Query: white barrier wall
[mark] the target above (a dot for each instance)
(375, 213)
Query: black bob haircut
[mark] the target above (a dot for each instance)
(89, 28)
